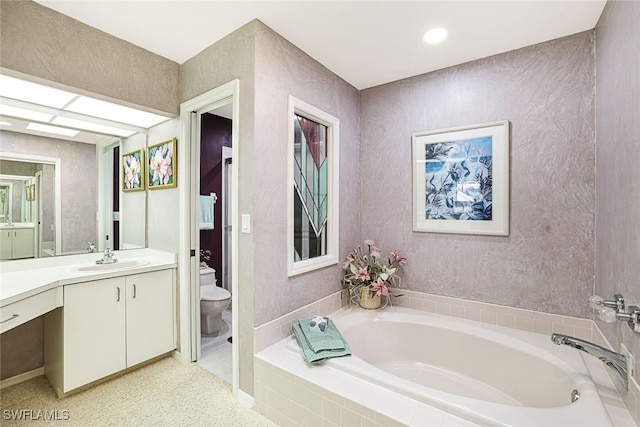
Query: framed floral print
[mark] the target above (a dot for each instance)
(162, 165)
(461, 180)
(133, 170)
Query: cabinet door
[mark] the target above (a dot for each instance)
(22, 246)
(150, 315)
(94, 331)
(5, 244)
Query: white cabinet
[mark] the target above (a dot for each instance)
(93, 331)
(109, 325)
(150, 319)
(16, 243)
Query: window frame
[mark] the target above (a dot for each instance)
(301, 108)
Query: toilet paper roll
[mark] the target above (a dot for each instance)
(319, 324)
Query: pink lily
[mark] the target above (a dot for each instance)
(400, 260)
(380, 288)
(362, 274)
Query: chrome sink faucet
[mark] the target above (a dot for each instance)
(107, 258)
(614, 360)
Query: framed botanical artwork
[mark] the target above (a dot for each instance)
(162, 165)
(133, 170)
(461, 180)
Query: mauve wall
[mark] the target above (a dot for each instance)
(618, 164)
(230, 58)
(546, 91)
(282, 70)
(43, 43)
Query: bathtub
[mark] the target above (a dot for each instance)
(485, 374)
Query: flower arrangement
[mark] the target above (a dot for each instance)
(366, 276)
(205, 258)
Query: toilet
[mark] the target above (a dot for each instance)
(213, 301)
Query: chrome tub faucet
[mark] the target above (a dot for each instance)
(614, 360)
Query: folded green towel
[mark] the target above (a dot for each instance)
(317, 346)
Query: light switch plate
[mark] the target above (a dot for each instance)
(246, 223)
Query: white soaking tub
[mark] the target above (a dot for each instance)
(482, 373)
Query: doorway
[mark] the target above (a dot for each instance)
(224, 97)
(215, 354)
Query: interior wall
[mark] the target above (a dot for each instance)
(546, 91)
(231, 58)
(282, 70)
(618, 155)
(162, 204)
(215, 134)
(132, 206)
(43, 43)
(22, 348)
(78, 163)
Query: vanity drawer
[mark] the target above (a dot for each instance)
(22, 311)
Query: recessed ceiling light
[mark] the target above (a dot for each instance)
(52, 129)
(435, 35)
(3, 123)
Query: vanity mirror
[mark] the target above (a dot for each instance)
(62, 151)
(28, 202)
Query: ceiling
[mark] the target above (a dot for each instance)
(367, 43)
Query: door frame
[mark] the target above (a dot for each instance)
(188, 254)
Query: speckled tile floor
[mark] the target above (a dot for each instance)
(217, 355)
(165, 393)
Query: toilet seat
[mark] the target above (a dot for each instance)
(213, 293)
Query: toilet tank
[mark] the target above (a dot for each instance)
(207, 276)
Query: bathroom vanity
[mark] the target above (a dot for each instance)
(16, 240)
(99, 319)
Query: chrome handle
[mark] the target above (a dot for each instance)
(11, 318)
(118, 287)
(134, 290)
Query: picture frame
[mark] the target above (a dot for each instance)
(133, 170)
(461, 180)
(162, 165)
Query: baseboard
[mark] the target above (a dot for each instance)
(178, 356)
(20, 378)
(244, 399)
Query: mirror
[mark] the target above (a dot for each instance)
(71, 196)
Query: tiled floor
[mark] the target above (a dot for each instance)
(216, 355)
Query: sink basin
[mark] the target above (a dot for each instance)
(120, 265)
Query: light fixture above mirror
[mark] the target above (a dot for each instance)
(67, 114)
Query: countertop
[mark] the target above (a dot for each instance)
(21, 279)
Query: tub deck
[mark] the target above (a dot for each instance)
(308, 394)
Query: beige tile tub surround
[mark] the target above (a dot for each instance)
(508, 317)
(290, 400)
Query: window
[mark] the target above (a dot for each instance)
(313, 188)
